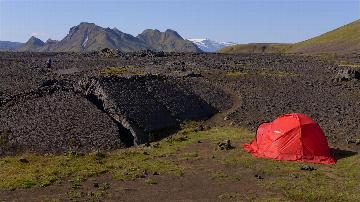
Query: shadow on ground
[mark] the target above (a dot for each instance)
(340, 154)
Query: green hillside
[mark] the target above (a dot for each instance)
(345, 39)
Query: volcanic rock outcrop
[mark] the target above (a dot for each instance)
(144, 104)
(96, 113)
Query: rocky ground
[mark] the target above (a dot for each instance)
(107, 99)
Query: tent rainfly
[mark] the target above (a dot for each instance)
(291, 137)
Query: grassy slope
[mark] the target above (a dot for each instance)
(345, 39)
(338, 182)
(341, 40)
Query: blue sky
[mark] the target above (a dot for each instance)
(242, 21)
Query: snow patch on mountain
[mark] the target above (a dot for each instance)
(85, 41)
(208, 45)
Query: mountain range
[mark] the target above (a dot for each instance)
(345, 39)
(10, 46)
(90, 37)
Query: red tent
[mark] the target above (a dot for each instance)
(292, 137)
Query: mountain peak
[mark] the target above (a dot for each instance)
(35, 41)
(33, 44)
(51, 41)
(173, 33)
(168, 41)
(86, 24)
(151, 31)
(83, 26)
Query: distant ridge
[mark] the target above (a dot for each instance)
(90, 37)
(9, 46)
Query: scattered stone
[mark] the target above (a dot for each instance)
(292, 175)
(308, 168)
(199, 128)
(48, 63)
(348, 74)
(353, 141)
(181, 138)
(259, 177)
(156, 145)
(96, 185)
(106, 52)
(192, 74)
(144, 174)
(225, 145)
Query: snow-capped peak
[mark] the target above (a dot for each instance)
(208, 45)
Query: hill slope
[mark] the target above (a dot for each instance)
(345, 39)
(341, 40)
(255, 48)
(168, 41)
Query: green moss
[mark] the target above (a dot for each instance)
(236, 74)
(277, 73)
(150, 181)
(348, 64)
(263, 72)
(189, 155)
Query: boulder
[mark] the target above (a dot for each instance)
(348, 74)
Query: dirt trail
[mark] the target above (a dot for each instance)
(221, 118)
